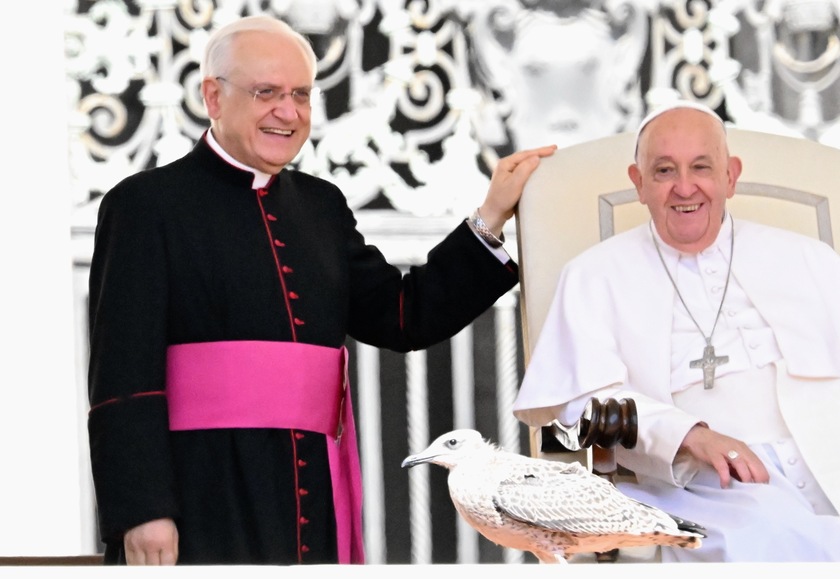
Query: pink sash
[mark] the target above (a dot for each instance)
(255, 384)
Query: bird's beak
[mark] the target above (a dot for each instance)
(415, 459)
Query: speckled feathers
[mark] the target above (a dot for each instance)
(550, 508)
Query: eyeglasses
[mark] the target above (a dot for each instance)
(302, 97)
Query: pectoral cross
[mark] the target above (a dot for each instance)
(708, 363)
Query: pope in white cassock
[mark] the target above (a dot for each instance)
(726, 333)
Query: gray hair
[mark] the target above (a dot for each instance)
(216, 61)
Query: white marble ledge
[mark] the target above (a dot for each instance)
(484, 571)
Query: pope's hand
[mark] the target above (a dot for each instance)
(730, 457)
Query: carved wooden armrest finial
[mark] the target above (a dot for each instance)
(608, 423)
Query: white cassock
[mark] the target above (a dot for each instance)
(617, 328)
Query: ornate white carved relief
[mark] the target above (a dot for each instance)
(561, 73)
(420, 94)
(778, 63)
(405, 121)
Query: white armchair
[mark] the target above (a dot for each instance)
(582, 195)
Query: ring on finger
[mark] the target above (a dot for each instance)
(732, 454)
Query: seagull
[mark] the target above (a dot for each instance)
(550, 508)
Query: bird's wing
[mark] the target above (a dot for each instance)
(567, 497)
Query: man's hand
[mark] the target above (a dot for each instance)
(152, 543)
(507, 183)
(730, 457)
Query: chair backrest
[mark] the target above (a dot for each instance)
(582, 195)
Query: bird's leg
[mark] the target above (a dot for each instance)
(550, 557)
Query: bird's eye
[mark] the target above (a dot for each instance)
(452, 442)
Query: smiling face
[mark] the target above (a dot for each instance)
(263, 135)
(684, 175)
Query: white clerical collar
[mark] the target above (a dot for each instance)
(260, 179)
(721, 244)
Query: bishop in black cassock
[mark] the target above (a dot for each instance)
(191, 253)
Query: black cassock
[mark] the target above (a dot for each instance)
(189, 253)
